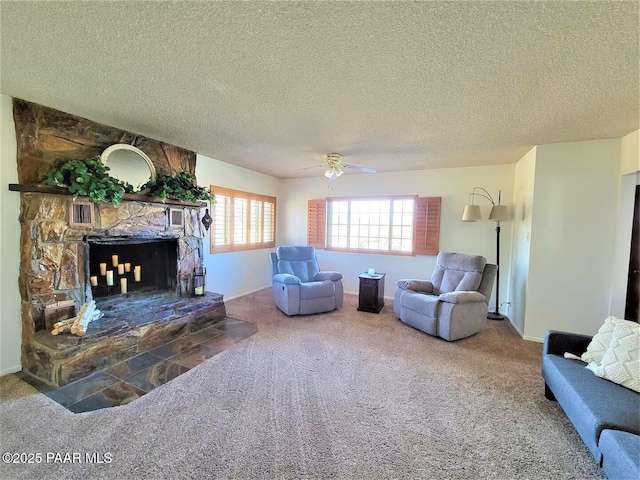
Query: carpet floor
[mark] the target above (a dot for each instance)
(343, 395)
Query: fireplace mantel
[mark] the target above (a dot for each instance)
(134, 197)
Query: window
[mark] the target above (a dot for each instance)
(404, 225)
(242, 221)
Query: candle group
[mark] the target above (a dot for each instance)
(120, 269)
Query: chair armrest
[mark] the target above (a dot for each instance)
(424, 286)
(286, 278)
(462, 297)
(328, 275)
(557, 343)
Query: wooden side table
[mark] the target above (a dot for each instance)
(371, 295)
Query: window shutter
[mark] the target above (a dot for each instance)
(427, 226)
(316, 222)
(242, 220)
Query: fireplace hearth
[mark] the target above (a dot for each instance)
(132, 324)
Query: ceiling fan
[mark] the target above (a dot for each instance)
(335, 167)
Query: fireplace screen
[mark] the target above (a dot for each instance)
(129, 264)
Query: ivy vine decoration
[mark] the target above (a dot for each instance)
(182, 187)
(88, 178)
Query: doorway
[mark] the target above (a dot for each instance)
(633, 280)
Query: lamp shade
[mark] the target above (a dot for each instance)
(499, 213)
(471, 213)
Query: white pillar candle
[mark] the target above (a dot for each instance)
(103, 269)
(127, 267)
(94, 280)
(110, 278)
(114, 260)
(136, 273)
(121, 269)
(123, 285)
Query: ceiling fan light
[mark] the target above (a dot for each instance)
(328, 173)
(338, 171)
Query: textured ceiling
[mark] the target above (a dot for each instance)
(273, 86)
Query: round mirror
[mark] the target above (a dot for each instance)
(129, 164)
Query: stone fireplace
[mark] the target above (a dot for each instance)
(58, 260)
(59, 256)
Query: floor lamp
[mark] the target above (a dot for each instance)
(498, 214)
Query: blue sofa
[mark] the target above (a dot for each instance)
(605, 415)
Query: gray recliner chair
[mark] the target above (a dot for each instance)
(299, 287)
(454, 303)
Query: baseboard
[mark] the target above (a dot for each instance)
(386, 299)
(533, 339)
(522, 335)
(246, 293)
(515, 327)
(14, 369)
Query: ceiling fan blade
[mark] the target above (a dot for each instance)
(359, 168)
(307, 168)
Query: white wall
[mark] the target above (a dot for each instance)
(630, 177)
(629, 156)
(573, 236)
(10, 321)
(522, 213)
(452, 184)
(237, 273)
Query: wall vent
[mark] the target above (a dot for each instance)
(81, 214)
(176, 217)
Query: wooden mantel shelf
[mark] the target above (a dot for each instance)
(133, 197)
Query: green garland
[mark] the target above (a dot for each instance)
(88, 178)
(182, 186)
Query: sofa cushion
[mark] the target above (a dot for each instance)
(620, 454)
(420, 302)
(305, 270)
(587, 400)
(317, 289)
(424, 286)
(621, 361)
(455, 271)
(462, 297)
(600, 341)
(296, 253)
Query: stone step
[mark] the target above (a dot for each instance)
(132, 324)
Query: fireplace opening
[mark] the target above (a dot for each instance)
(131, 264)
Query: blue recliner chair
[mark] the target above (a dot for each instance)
(454, 303)
(299, 287)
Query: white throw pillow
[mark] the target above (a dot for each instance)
(621, 361)
(600, 341)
